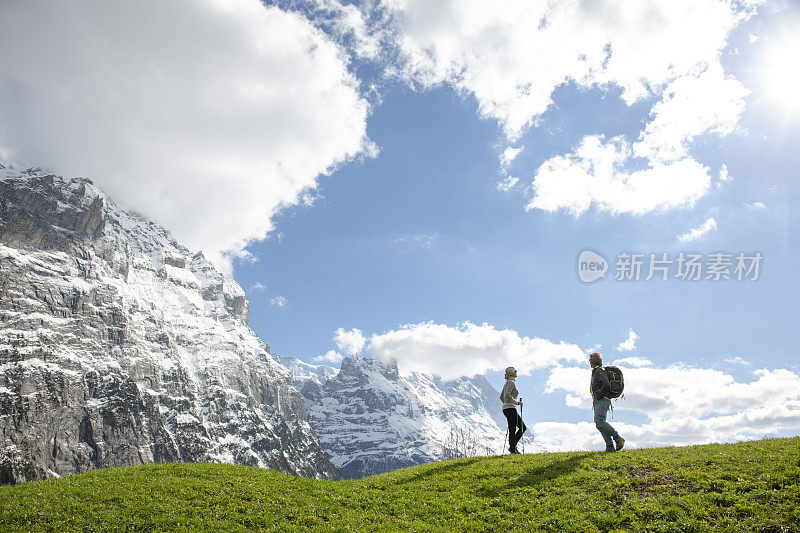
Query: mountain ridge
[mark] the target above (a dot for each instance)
(119, 346)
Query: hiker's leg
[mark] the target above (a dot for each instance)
(610, 428)
(511, 417)
(600, 411)
(613, 432)
(610, 434)
(513, 430)
(518, 430)
(521, 427)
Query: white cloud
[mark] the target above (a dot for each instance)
(507, 184)
(684, 406)
(697, 233)
(723, 174)
(205, 115)
(309, 199)
(332, 356)
(629, 344)
(508, 155)
(258, 286)
(593, 173)
(755, 205)
(349, 341)
(467, 349)
(696, 392)
(737, 361)
(753, 423)
(245, 256)
(698, 102)
(693, 104)
(349, 24)
(633, 361)
(406, 243)
(512, 58)
(279, 301)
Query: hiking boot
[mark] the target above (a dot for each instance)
(620, 444)
(513, 451)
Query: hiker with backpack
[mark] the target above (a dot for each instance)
(601, 391)
(516, 427)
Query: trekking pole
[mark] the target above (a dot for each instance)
(505, 440)
(521, 426)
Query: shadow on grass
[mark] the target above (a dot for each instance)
(439, 469)
(539, 475)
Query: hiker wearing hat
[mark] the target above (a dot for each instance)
(600, 388)
(509, 398)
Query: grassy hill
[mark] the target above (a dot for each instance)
(750, 486)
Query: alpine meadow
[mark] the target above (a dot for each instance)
(753, 486)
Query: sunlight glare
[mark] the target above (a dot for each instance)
(780, 74)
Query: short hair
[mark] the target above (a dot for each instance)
(595, 359)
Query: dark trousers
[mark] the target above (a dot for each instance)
(516, 427)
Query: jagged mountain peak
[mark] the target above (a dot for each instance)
(357, 365)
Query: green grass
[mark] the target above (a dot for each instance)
(750, 486)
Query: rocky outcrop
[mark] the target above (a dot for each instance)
(118, 346)
(41, 215)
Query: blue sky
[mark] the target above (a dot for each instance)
(343, 161)
(481, 257)
(420, 233)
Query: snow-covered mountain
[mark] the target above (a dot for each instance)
(307, 377)
(370, 419)
(119, 346)
(304, 373)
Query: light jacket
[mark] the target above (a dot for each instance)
(509, 394)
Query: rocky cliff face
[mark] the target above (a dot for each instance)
(370, 419)
(118, 346)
